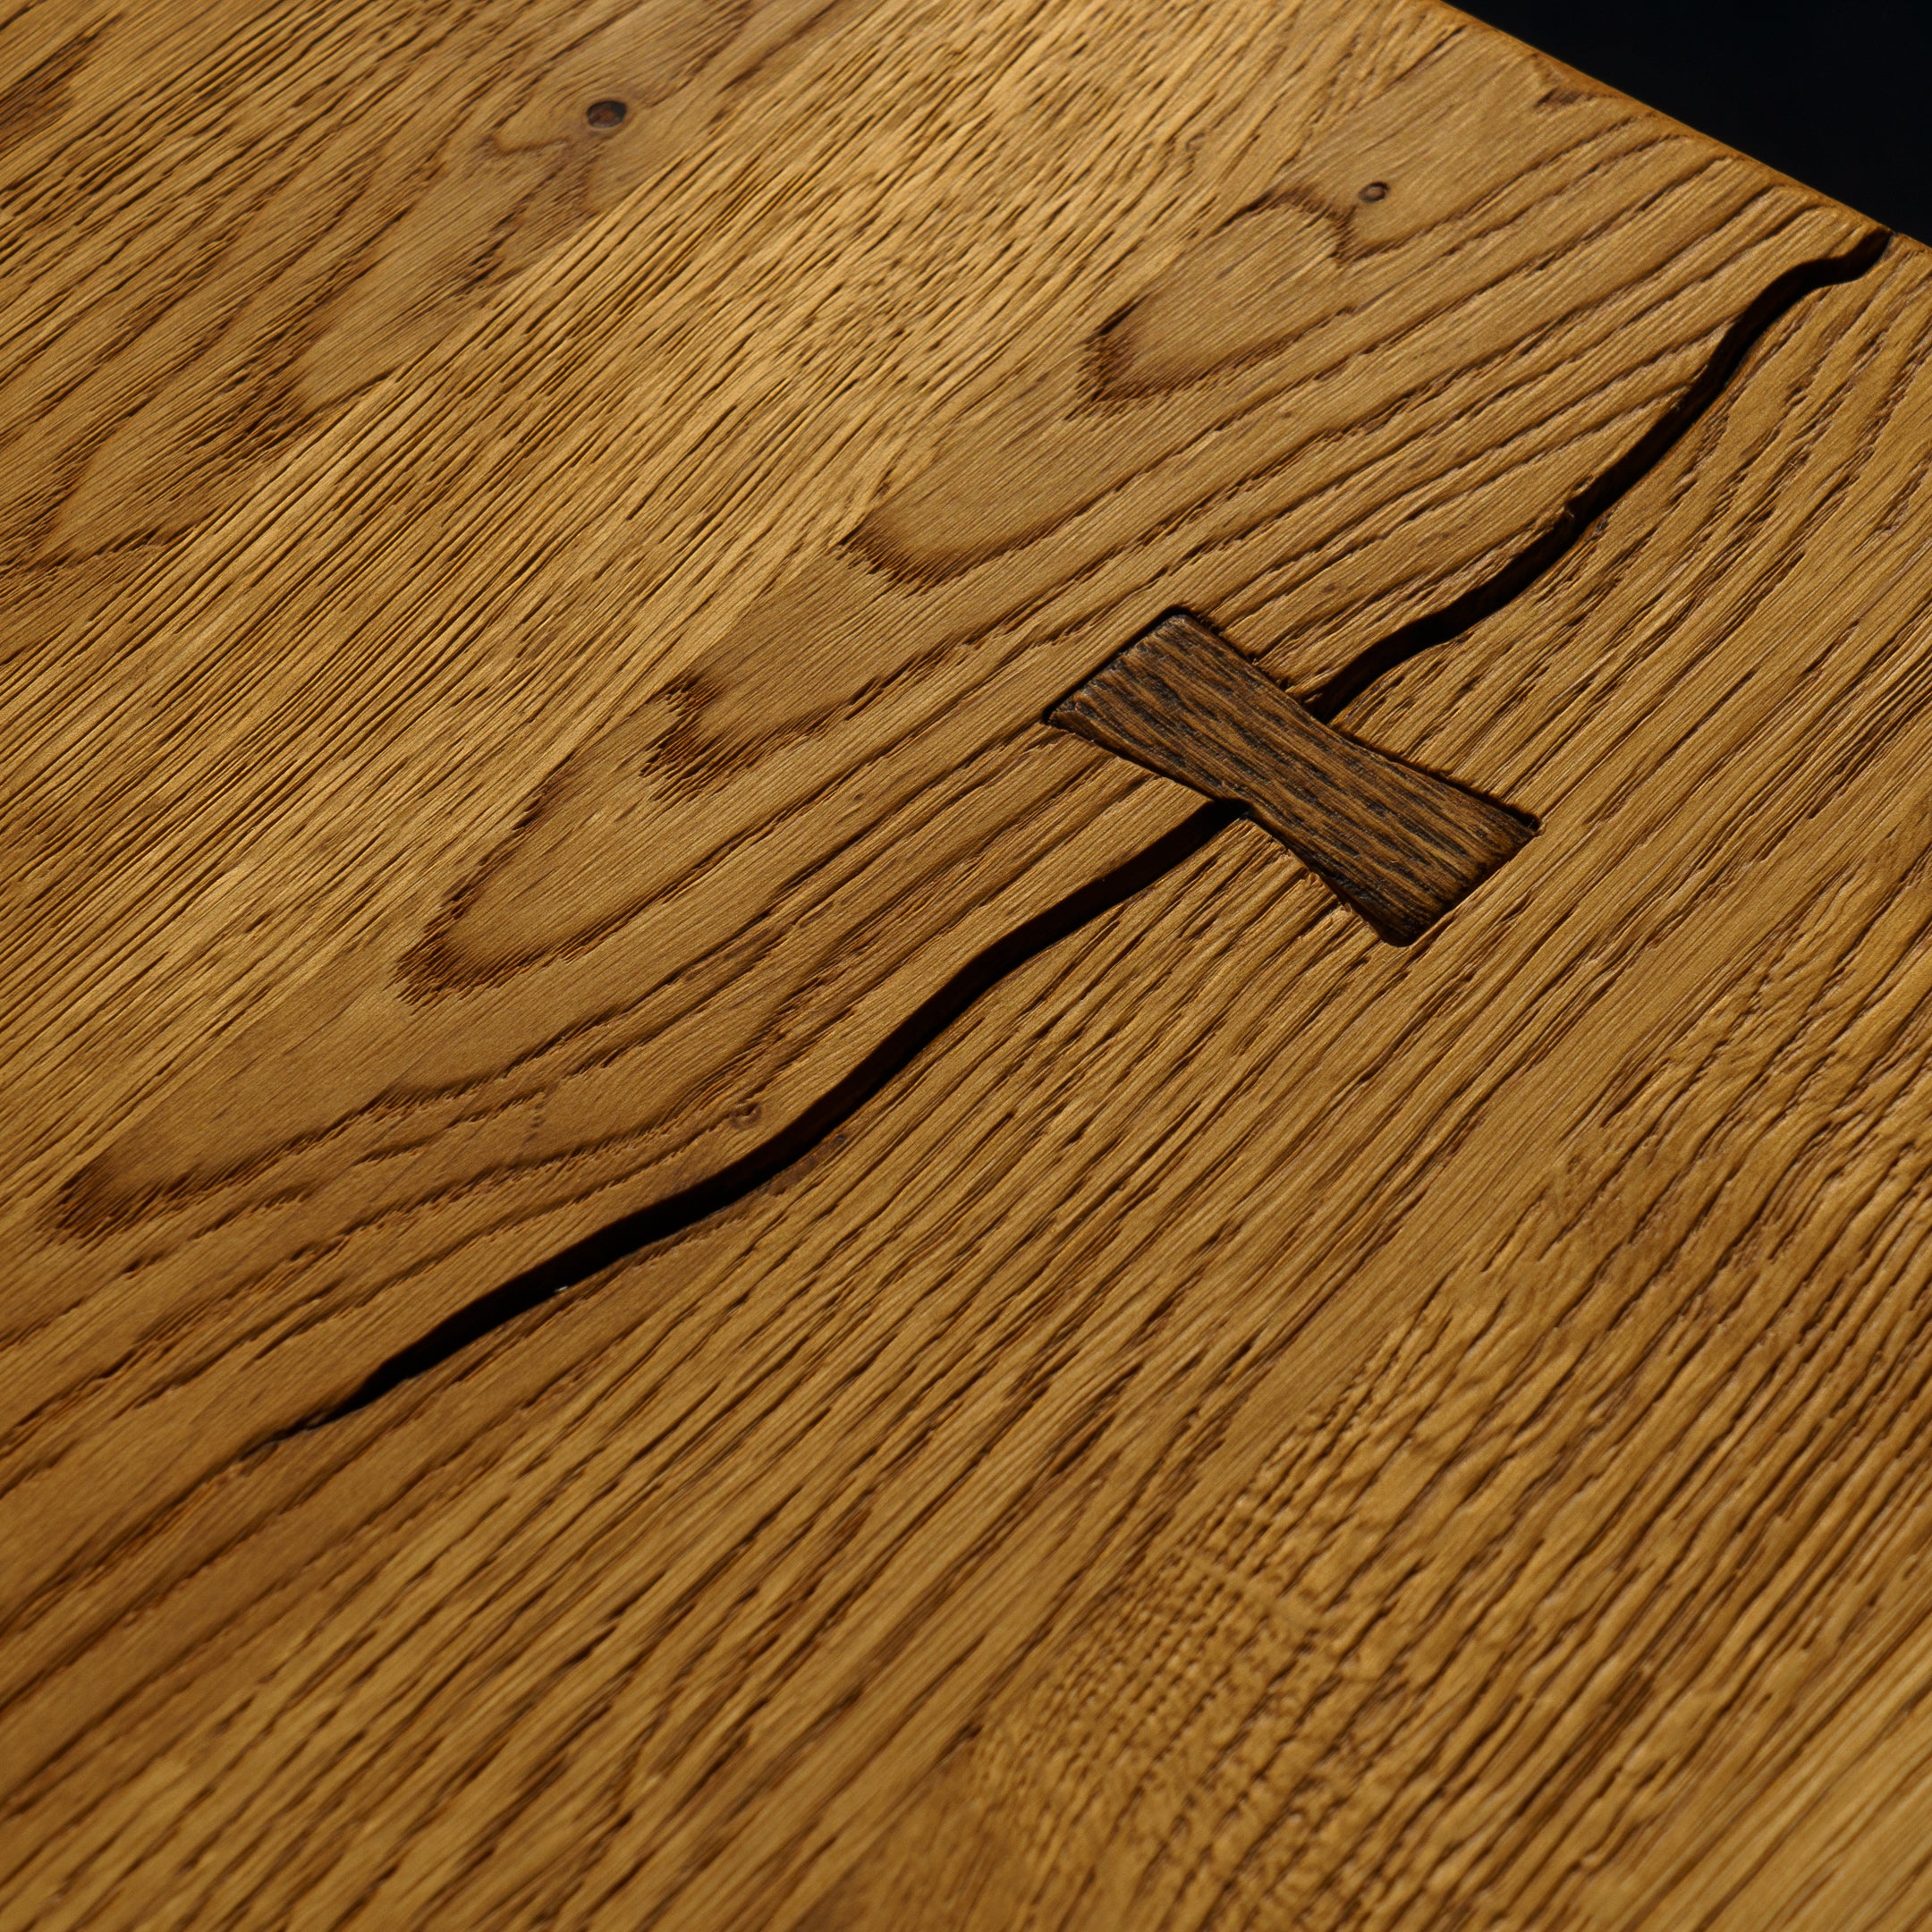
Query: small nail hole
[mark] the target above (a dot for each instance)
(606, 113)
(1376, 191)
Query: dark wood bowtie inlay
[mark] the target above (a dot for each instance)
(1399, 844)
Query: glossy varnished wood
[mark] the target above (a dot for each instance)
(1399, 845)
(1259, 1427)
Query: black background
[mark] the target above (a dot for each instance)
(1836, 92)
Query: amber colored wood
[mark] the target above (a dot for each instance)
(224, 222)
(1258, 1429)
(573, 757)
(1399, 845)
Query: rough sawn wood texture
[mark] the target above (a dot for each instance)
(1255, 1426)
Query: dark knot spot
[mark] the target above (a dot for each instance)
(1376, 191)
(606, 113)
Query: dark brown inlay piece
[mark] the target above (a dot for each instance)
(1399, 845)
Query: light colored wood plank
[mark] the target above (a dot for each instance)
(389, 911)
(1258, 1427)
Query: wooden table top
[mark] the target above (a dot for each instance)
(704, 1231)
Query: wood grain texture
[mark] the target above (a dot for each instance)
(1260, 1428)
(224, 222)
(577, 755)
(1401, 846)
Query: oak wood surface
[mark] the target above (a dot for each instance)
(1258, 1428)
(1255, 1426)
(1402, 846)
(224, 222)
(569, 760)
